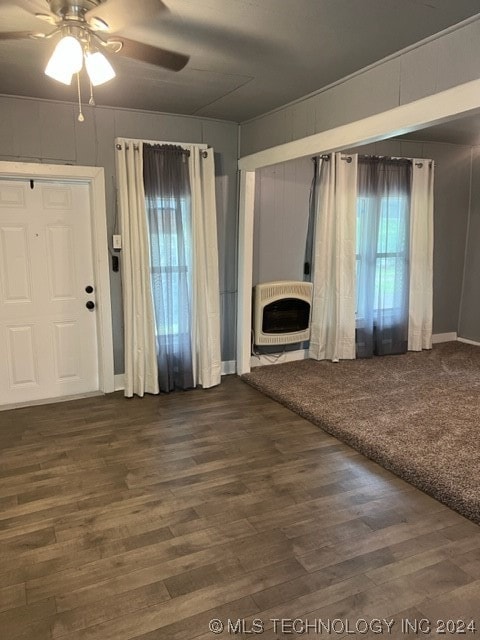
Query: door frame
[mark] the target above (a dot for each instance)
(95, 178)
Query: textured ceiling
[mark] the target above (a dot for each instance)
(246, 56)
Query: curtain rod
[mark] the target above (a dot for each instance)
(136, 147)
(326, 156)
(137, 141)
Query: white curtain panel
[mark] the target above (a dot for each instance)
(333, 308)
(206, 288)
(421, 257)
(141, 374)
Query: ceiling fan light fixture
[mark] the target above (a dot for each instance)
(66, 60)
(99, 68)
(60, 75)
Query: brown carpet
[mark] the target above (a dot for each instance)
(416, 414)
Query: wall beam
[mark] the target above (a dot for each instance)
(435, 109)
(245, 268)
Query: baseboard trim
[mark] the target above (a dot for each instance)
(229, 367)
(275, 358)
(437, 338)
(42, 401)
(467, 341)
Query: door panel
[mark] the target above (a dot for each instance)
(16, 267)
(47, 334)
(67, 363)
(22, 360)
(55, 197)
(61, 263)
(12, 195)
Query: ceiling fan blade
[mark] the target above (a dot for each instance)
(152, 55)
(31, 6)
(15, 35)
(122, 13)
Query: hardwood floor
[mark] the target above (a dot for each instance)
(147, 518)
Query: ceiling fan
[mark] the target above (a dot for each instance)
(89, 28)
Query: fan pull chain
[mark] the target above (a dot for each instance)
(91, 102)
(81, 117)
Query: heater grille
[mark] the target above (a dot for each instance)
(282, 312)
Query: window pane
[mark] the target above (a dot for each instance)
(362, 203)
(171, 249)
(389, 283)
(392, 227)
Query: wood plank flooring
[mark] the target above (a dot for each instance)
(146, 518)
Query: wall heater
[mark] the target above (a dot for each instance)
(281, 312)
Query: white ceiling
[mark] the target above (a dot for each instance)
(246, 56)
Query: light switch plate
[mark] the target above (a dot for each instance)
(117, 242)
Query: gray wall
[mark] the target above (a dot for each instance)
(281, 220)
(469, 324)
(438, 64)
(48, 132)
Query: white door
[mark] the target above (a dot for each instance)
(48, 336)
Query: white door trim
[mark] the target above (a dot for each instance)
(95, 178)
(433, 109)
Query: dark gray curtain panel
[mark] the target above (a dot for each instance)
(383, 223)
(168, 204)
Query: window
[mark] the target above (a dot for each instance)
(387, 257)
(171, 259)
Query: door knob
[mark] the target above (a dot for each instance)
(89, 288)
(90, 305)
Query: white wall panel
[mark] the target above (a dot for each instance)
(411, 149)
(228, 310)
(373, 91)
(388, 148)
(459, 56)
(222, 136)
(251, 135)
(151, 126)
(26, 128)
(324, 105)
(85, 137)
(303, 121)
(57, 132)
(419, 72)
(6, 127)
(275, 133)
(281, 218)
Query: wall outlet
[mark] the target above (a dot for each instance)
(117, 242)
